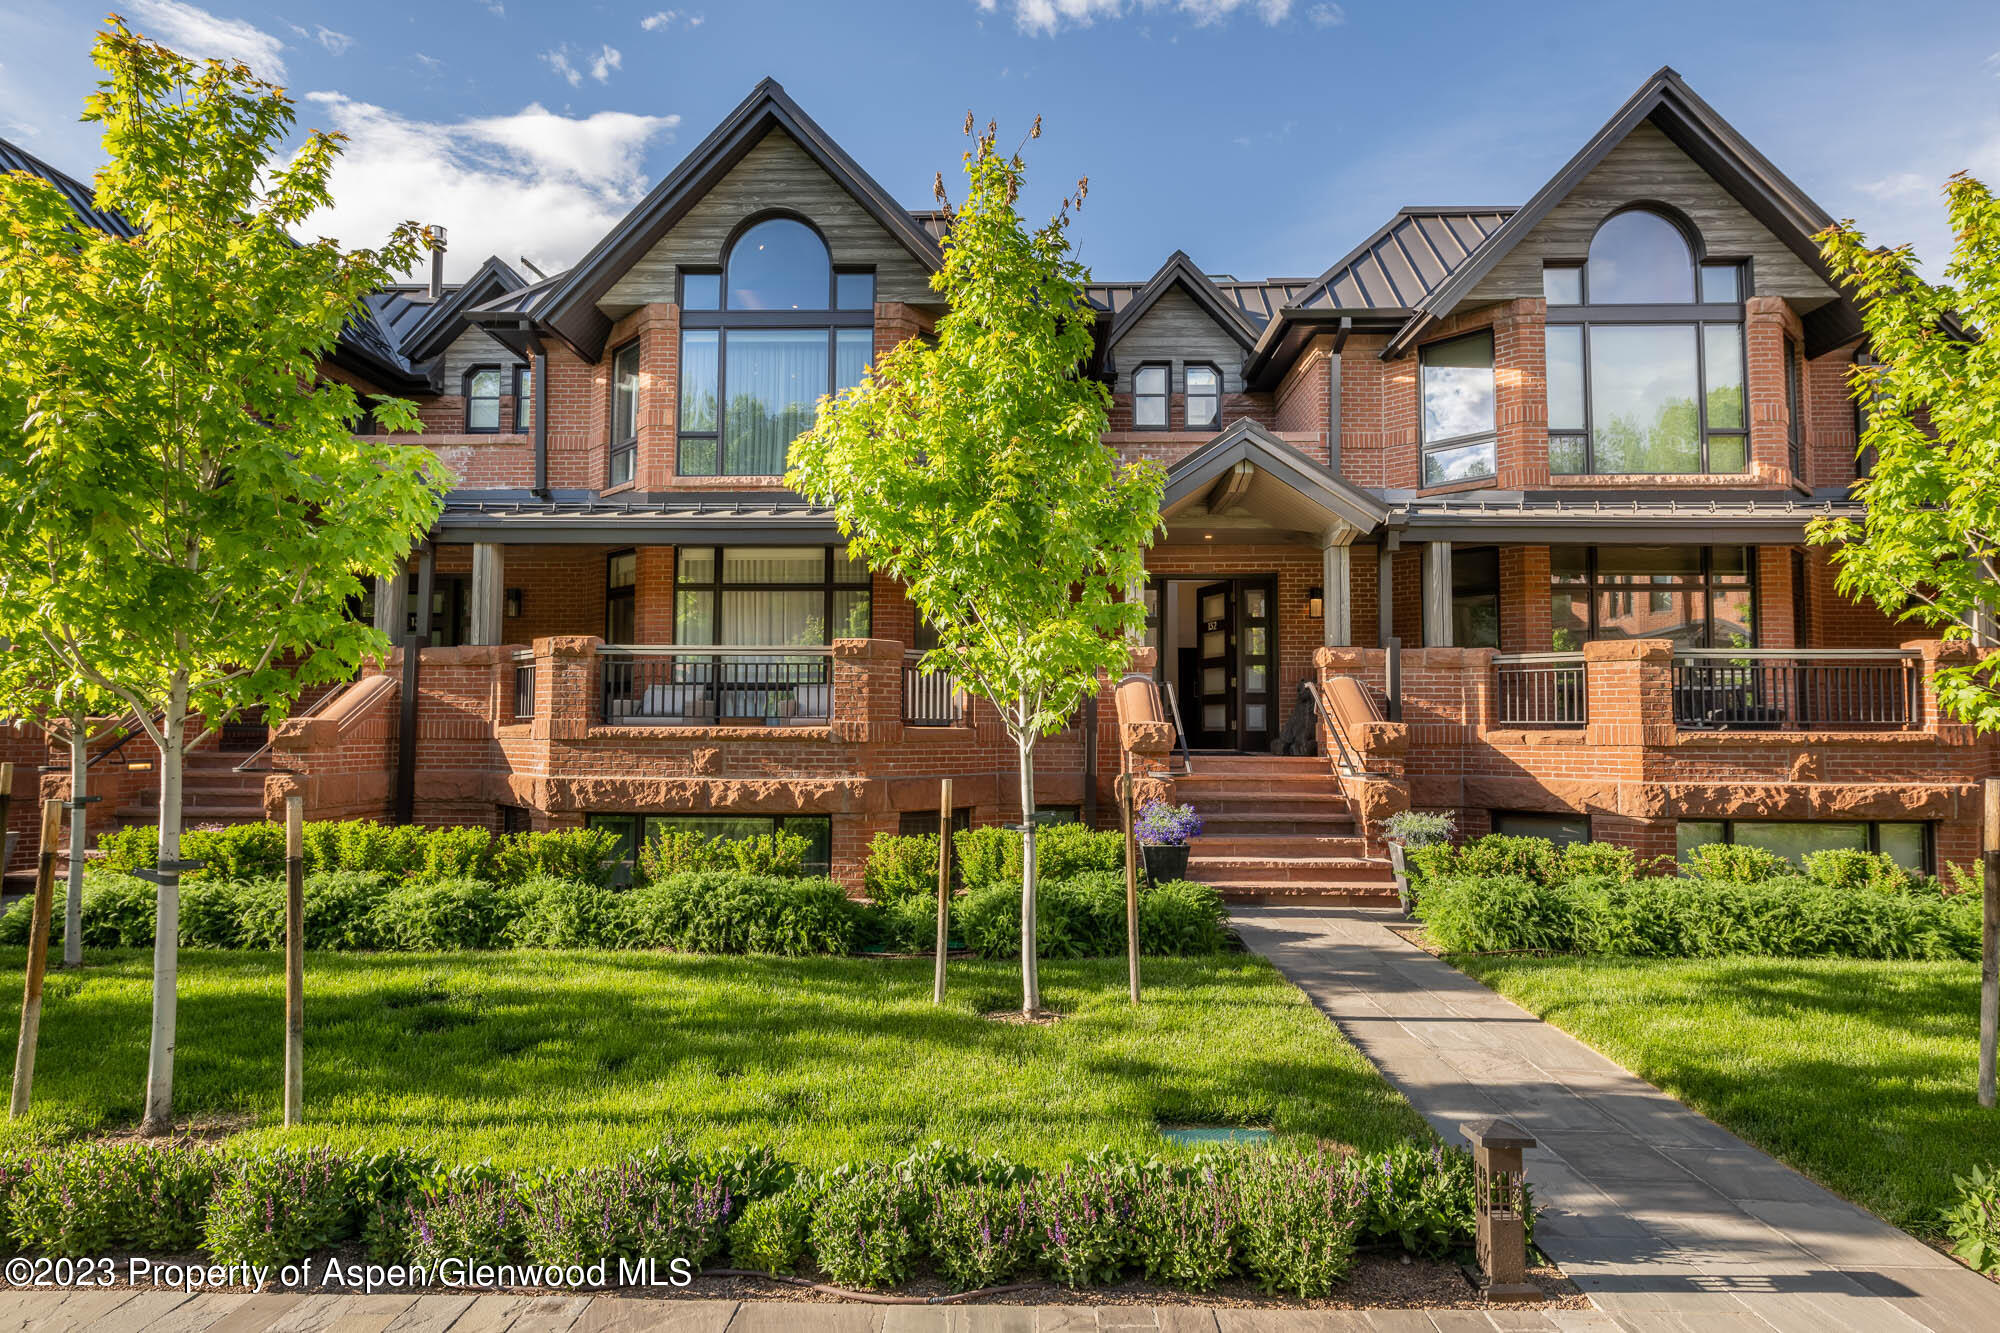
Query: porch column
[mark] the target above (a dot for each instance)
(489, 593)
(392, 600)
(1437, 595)
(1385, 589)
(1336, 622)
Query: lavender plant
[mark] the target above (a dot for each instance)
(481, 1223)
(1186, 1227)
(99, 1196)
(1163, 825)
(1298, 1221)
(279, 1207)
(1085, 1214)
(980, 1235)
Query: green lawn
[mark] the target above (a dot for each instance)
(552, 1058)
(1860, 1074)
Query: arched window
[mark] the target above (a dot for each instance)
(1645, 354)
(763, 337)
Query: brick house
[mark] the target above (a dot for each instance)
(1521, 492)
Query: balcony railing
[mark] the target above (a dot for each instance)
(931, 700)
(524, 685)
(1540, 689)
(1796, 690)
(733, 686)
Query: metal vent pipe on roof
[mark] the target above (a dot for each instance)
(437, 263)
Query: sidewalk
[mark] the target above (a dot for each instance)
(1663, 1217)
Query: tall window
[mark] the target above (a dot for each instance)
(1150, 389)
(1698, 596)
(482, 398)
(761, 342)
(1475, 597)
(621, 597)
(1645, 355)
(524, 399)
(1458, 409)
(1204, 397)
(1795, 425)
(770, 596)
(624, 413)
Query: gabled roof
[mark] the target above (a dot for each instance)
(1696, 128)
(444, 321)
(82, 198)
(1258, 301)
(570, 305)
(1406, 259)
(1180, 271)
(1334, 500)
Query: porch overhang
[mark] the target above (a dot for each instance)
(1539, 518)
(1247, 484)
(758, 519)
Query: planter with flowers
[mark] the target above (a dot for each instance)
(1413, 828)
(1163, 832)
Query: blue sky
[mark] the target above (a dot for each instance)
(1265, 137)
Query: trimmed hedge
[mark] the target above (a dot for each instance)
(1084, 917)
(1287, 1219)
(395, 853)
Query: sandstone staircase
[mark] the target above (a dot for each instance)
(213, 792)
(1277, 829)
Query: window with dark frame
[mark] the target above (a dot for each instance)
(1204, 396)
(1644, 355)
(1697, 596)
(762, 338)
(1460, 439)
(1475, 597)
(621, 597)
(624, 413)
(1795, 403)
(482, 400)
(524, 400)
(770, 596)
(1151, 388)
(817, 830)
(1910, 844)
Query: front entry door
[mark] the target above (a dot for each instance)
(1233, 691)
(1215, 665)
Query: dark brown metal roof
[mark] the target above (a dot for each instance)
(1404, 261)
(1258, 301)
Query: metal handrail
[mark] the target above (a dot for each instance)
(1180, 731)
(1541, 690)
(1803, 654)
(1512, 659)
(1349, 758)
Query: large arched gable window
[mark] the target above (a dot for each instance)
(1645, 353)
(763, 336)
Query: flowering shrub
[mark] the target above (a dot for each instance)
(623, 1212)
(1186, 1227)
(769, 1235)
(98, 1197)
(980, 1235)
(483, 1223)
(279, 1208)
(1163, 825)
(1085, 1214)
(1423, 1199)
(1419, 828)
(862, 1232)
(1299, 1219)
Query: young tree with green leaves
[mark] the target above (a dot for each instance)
(166, 405)
(1928, 549)
(974, 471)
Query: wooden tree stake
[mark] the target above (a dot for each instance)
(944, 886)
(1131, 881)
(1989, 945)
(295, 960)
(38, 958)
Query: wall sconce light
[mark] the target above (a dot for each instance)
(513, 603)
(1315, 603)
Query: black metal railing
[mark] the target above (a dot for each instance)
(930, 699)
(740, 686)
(1797, 690)
(524, 686)
(1180, 731)
(1346, 757)
(1540, 690)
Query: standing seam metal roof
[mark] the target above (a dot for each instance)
(1408, 258)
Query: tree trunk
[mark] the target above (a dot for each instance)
(79, 780)
(159, 1116)
(1031, 979)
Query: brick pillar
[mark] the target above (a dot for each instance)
(659, 330)
(1767, 321)
(1628, 685)
(568, 687)
(868, 691)
(1520, 393)
(1775, 627)
(653, 612)
(1526, 625)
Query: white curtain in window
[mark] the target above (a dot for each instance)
(775, 376)
(774, 564)
(754, 619)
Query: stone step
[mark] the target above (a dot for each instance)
(1332, 823)
(1275, 844)
(1210, 765)
(1245, 786)
(1317, 895)
(1301, 870)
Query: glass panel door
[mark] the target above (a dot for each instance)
(1258, 682)
(1215, 716)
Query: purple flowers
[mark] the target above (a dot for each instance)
(1163, 825)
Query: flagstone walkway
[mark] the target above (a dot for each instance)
(1665, 1219)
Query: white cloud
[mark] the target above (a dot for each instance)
(335, 42)
(535, 182)
(1046, 17)
(205, 36)
(1326, 16)
(604, 62)
(666, 19)
(495, 8)
(558, 60)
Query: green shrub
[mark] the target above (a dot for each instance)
(569, 914)
(769, 1234)
(445, 914)
(1854, 872)
(340, 911)
(1084, 917)
(1181, 918)
(981, 1235)
(129, 849)
(624, 1211)
(1422, 1199)
(96, 1197)
(731, 912)
(1085, 1215)
(384, 1185)
(585, 855)
(393, 851)
(1533, 859)
(1186, 1227)
(1299, 1218)
(212, 914)
(118, 912)
(481, 1223)
(863, 1231)
(278, 1207)
(1735, 863)
(909, 925)
(453, 854)
(1502, 912)
(982, 855)
(1973, 1220)
(901, 867)
(1597, 860)
(992, 855)
(668, 854)
(235, 851)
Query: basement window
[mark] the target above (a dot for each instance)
(1910, 845)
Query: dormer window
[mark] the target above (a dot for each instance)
(1150, 385)
(1644, 350)
(762, 340)
(1204, 397)
(482, 399)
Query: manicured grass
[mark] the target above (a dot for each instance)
(551, 1058)
(1860, 1074)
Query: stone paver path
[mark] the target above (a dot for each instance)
(1666, 1219)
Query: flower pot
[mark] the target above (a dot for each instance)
(1165, 862)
